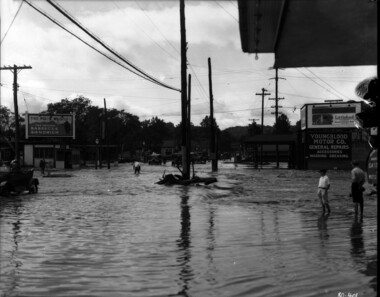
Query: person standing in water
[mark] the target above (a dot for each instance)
(323, 187)
(136, 167)
(357, 189)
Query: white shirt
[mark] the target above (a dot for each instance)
(324, 182)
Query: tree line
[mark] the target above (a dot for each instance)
(126, 129)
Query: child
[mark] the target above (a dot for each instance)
(323, 187)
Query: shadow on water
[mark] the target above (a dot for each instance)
(14, 208)
(184, 247)
(322, 227)
(210, 247)
(358, 253)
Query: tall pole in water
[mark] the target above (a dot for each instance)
(106, 134)
(189, 125)
(15, 70)
(214, 160)
(185, 161)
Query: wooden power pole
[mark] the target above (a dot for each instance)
(185, 160)
(106, 134)
(262, 94)
(213, 153)
(15, 69)
(189, 124)
(276, 107)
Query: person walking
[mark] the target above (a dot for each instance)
(357, 189)
(323, 187)
(42, 166)
(136, 167)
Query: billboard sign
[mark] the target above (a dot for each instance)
(50, 125)
(338, 115)
(325, 145)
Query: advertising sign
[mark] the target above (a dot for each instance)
(372, 167)
(324, 145)
(50, 125)
(333, 115)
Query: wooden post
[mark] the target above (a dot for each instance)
(106, 134)
(189, 125)
(185, 161)
(15, 70)
(214, 160)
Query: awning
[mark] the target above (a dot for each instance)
(315, 33)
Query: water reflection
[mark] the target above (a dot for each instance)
(14, 209)
(322, 227)
(184, 246)
(357, 244)
(211, 271)
(358, 253)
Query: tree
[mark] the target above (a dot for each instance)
(81, 106)
(155, 131)
(6, 117)
(282, 126)
(254, 129)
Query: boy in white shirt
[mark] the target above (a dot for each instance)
(323, 187)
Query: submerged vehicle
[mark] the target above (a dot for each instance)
(18, 182)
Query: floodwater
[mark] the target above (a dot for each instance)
(253, 233)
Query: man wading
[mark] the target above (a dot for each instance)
(357, 189)
(323, 187)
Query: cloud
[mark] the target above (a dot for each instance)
(149, 36)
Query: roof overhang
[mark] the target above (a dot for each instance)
(315, 33)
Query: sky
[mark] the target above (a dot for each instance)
(147, 33)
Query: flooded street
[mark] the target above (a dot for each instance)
(253, 233)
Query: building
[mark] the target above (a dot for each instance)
(329, 137)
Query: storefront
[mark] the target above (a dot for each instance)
(329, 136)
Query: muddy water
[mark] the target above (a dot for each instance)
(253, 233)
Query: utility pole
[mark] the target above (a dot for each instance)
(262, 94)
(189, 124)
(106, 134)
(213, 154)
(185, 161)
(15, 69)
(276, 114)
(276, 106)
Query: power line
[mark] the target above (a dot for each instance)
(226, 11)
(155, 42)
(315, 82)
(339, 93)
(61, 26)
(148, 77)
(18, 10)
(157, 28)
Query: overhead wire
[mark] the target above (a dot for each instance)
(6, 32)
(71, 18)
(76, 36)
(315, 82)
(216, 2)
(157, 28)
(155, 42)
(339, 93)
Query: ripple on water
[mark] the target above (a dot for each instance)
(253, 233)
